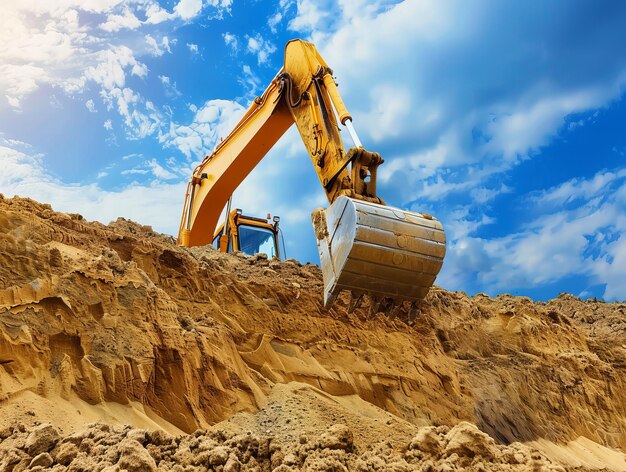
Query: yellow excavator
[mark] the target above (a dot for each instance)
(365, 246)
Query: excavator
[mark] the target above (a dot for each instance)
(365, 246)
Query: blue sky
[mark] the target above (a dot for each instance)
(505, 119)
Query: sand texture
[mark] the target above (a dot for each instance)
(131, 353)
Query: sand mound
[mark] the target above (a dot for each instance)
(117, 324)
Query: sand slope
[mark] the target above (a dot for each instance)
(118, 324)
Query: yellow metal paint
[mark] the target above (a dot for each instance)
(331, 87)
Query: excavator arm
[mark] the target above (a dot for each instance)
(303, 93)
(215, 179)
(364, 246)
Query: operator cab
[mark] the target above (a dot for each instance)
(249, 235)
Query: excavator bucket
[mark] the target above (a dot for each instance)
(378, 250)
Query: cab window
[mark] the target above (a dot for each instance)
(256, 240)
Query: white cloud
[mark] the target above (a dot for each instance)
(524, 129)
(364, 8)
(108, 125)
(166, 43)
(187, 9)
(13, 101)
(219, 7)
(127, 20)
(310, 16)
(158, 49)
(250, 82)
(155, 14)
(14, 143)
(575, 189)
(482, 195)
(159, 171)
(274, 20)
(231, 41)
(213, 121)
(35, 52)
(222, 4)
(155, 204)
(91, 106)
(60, 8)
(110, 71)
(141, 117)
(193, 48)
(260, 47)
(170, 87)
(135, 171)
(50, 43)
(578, 230)
(394, 105)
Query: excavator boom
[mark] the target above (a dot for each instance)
(365, 246)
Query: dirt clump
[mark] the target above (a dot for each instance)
(101, 447)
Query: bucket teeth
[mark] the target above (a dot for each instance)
(355, 301)
(377, 250)
(374, 307)
(393, 313)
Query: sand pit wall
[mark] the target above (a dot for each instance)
(119, 314)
